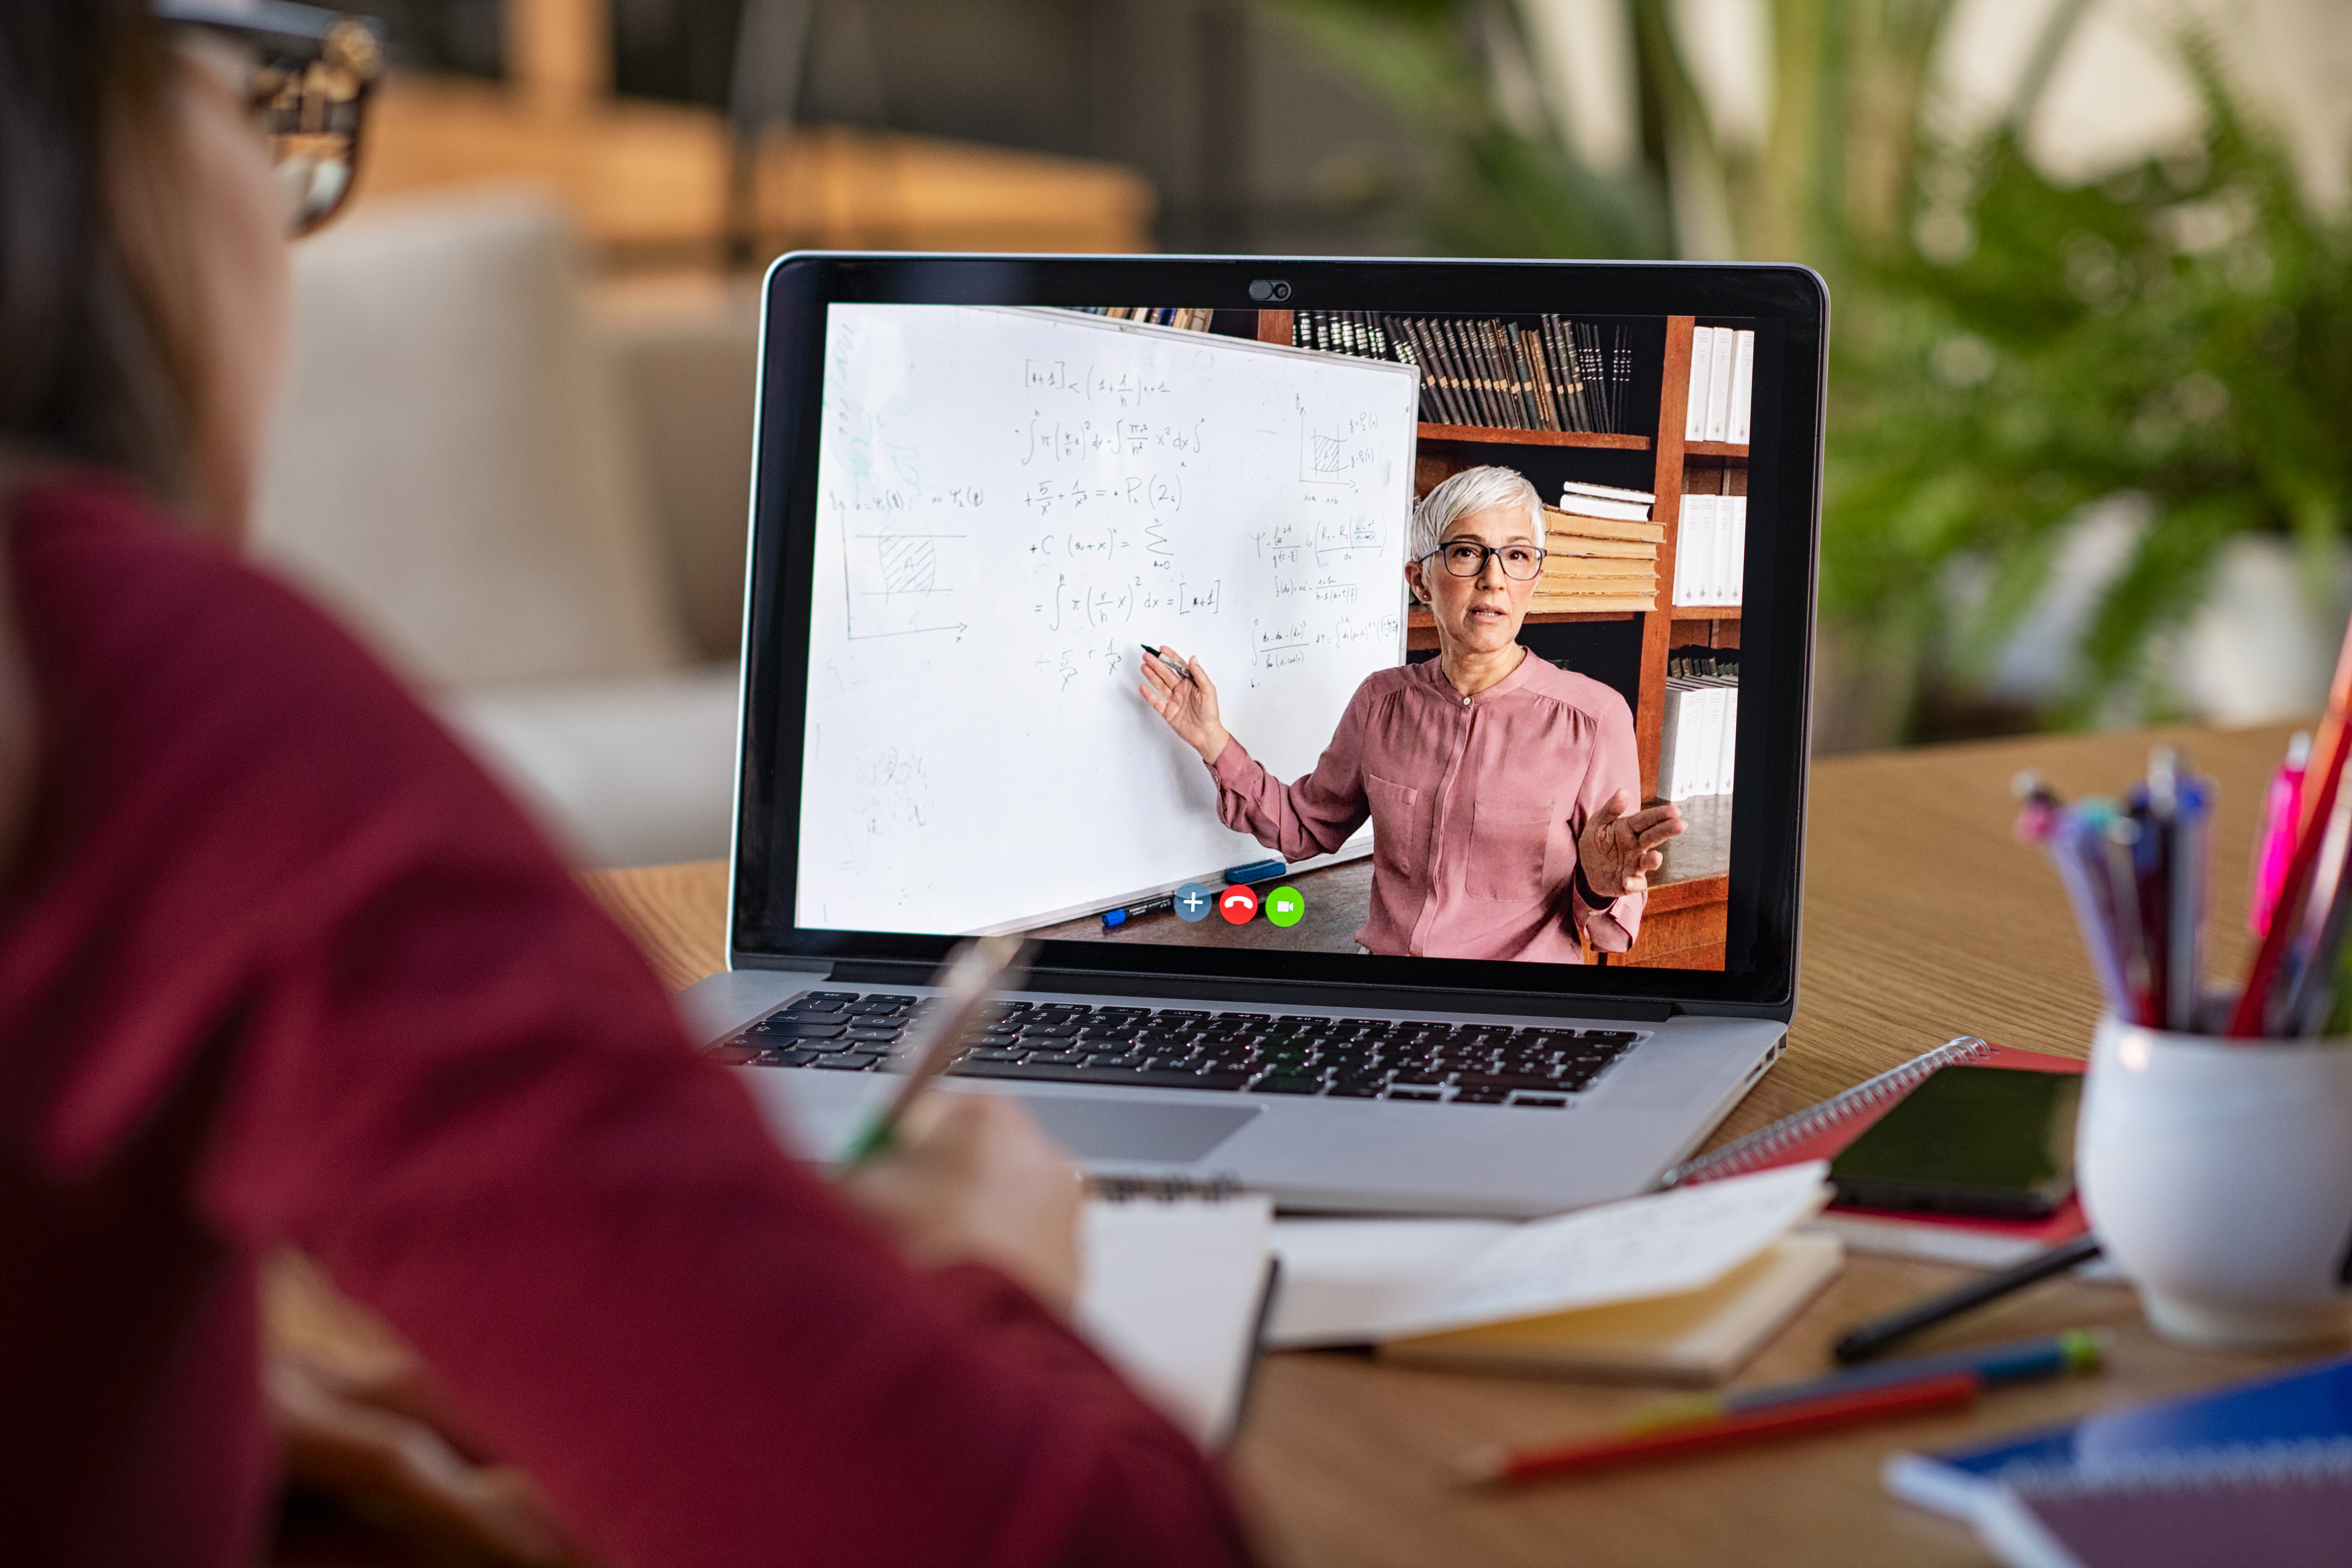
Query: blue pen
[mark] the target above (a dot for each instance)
(2078, 849)
(2012, 1361)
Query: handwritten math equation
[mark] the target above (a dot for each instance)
(1047, 440)
(1121, 389)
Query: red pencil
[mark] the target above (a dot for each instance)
(1497, 1464)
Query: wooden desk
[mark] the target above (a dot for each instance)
(1922, 921)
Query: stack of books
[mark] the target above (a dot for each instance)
(1698, 737)
(1711, 550)
(1600, 550)
(1722, 385)
(1535, 373)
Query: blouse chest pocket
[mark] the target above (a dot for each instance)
(1397, 826)
(1509, 841)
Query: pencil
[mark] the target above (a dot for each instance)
(1856, 1393)
(972, 972)
(1493, 1465)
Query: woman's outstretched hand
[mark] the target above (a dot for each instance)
(1619, 847)
(1188, 706)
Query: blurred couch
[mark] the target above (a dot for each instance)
(529, 499)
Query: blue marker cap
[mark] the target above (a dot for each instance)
(1113, 918)
(1255, 872)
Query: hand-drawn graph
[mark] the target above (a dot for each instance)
(1339, 451)
(892, 580)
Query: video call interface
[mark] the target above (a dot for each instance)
(1063, 555)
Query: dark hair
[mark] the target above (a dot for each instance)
(93, 367)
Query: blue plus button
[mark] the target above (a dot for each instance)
(1194, 900)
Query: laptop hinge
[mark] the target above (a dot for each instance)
(1263, 993)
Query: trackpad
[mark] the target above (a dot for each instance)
(1122, 1130)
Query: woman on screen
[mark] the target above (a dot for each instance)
(1502, 790)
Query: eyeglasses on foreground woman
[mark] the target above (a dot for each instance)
(308, 72)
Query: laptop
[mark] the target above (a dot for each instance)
(993, 493)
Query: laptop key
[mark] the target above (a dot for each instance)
(789, 1029)
(1055, 1058)
(1397, 1092)
(848, 1061)
(1481, 1096)
(784, 1056)
(1543, 1102)
(1286, 1083)
(1137, 1078)
(1503, 1081)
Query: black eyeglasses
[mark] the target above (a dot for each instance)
(312, 70)
(1467, 558)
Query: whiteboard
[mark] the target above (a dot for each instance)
(1009, 503)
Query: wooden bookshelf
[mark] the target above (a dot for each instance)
(1685, 923)
(1488, 435)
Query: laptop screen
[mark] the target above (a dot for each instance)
(1312, 634)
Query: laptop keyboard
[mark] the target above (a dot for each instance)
(1201, 1048)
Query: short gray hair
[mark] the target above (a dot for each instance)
(1473, 491)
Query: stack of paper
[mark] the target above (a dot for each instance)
(1722, 385)
(1600, 550)
(1682, 1284)
(1710, 549)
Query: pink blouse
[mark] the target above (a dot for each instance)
(1475, 803)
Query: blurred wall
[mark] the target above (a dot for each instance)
(1252, 143)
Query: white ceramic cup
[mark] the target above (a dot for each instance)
(2218, 1175)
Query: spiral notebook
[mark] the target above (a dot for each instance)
(2281, 1507)
(1177, 1278)
(1820, 1131)
(2253, 1472)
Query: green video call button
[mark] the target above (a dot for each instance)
(1283, 907)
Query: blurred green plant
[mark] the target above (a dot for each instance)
(2006, 349)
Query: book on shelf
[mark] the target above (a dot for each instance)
(1572, 544)
(1529, 373)
(1569, 522)
(1699, 728)
(1606, 500)
(1722, 385)
(1743, 387)
(1184, 318)
(1710, 551)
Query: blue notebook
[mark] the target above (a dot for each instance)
(2294, 1416)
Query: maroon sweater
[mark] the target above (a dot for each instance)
(278, 963)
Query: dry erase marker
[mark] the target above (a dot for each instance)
(1114, 919)
(1170, 663)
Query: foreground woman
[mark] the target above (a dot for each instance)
(278, 963)
(1502, 790)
